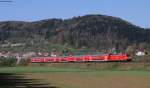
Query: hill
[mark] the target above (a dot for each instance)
(91, 31)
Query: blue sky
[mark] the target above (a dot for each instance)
(134, 11)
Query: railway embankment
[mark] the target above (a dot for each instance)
(118, 66)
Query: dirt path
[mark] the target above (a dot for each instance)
(83, 80)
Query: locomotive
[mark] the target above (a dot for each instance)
(83, 58)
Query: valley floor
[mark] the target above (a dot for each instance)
(54, 77)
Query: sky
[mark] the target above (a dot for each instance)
(134, 11)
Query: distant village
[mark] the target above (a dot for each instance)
(7, 54)
(26, 55)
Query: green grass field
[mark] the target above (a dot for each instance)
(45, 69)
(56, 77)
(39, 69)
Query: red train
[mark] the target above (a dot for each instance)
(83, 58)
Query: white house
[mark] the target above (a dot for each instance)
(140, 53)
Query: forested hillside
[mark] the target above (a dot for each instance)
(97, 31)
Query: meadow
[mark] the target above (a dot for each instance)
(63, 77)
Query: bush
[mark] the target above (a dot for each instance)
(24, 62)
(8, 61)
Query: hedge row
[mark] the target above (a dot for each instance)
(11, 61)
